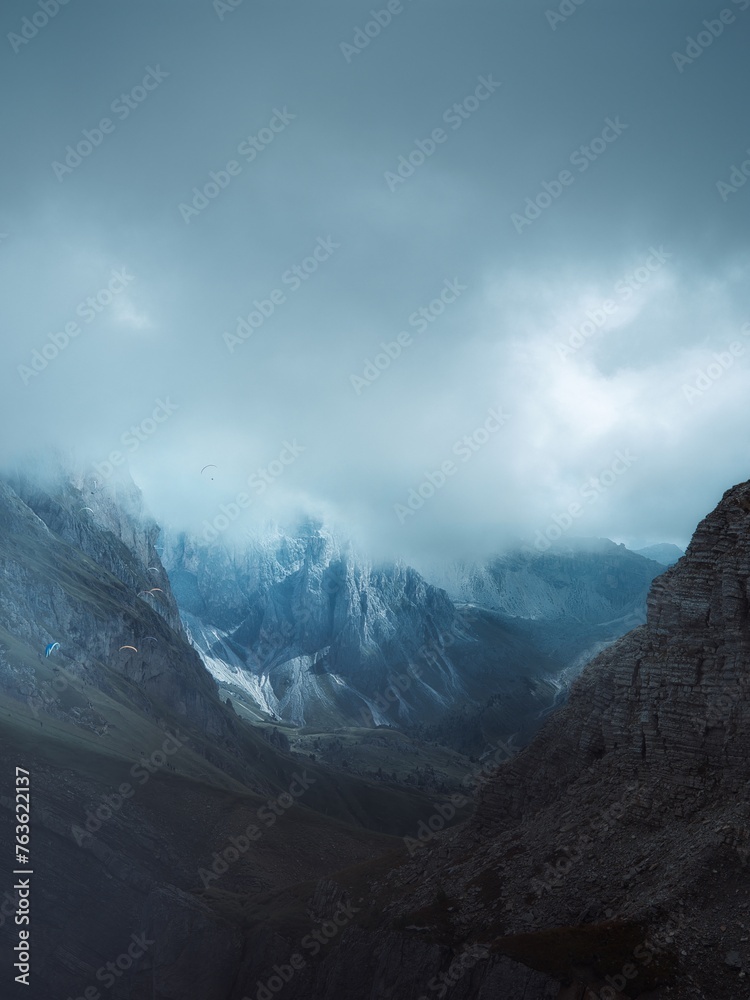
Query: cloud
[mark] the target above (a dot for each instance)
(585, 328)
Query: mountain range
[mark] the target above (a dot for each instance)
(299, 627)
(603, 855)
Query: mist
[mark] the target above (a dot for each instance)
(451, 278)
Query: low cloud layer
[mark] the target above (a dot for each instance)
(442, 287)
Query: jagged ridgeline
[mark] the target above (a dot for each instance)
(299, 627)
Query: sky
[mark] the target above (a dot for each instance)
(449, 274)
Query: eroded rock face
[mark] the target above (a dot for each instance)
(668, 704)
(80, 579)
(328, 958)
(314, 634)
(632, 802)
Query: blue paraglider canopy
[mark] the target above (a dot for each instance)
(51, 648)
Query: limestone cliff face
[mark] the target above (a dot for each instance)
(668, 704)
(85, 511)
(632, 802)
(310, 631)
(81, 578)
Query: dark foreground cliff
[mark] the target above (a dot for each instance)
(612, 852)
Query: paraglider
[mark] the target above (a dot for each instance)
(154, 590)
(51, 648)
(127, 647)
(208, 467)
(88, 508)
(154, 569)
(151, 637)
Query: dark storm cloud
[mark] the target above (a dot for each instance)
(236, 233)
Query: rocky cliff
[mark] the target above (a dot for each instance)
(620, 836)
(88, 578)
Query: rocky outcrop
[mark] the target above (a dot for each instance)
(668, 702)
(87, 594)
(630, 808)
(83, 511)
